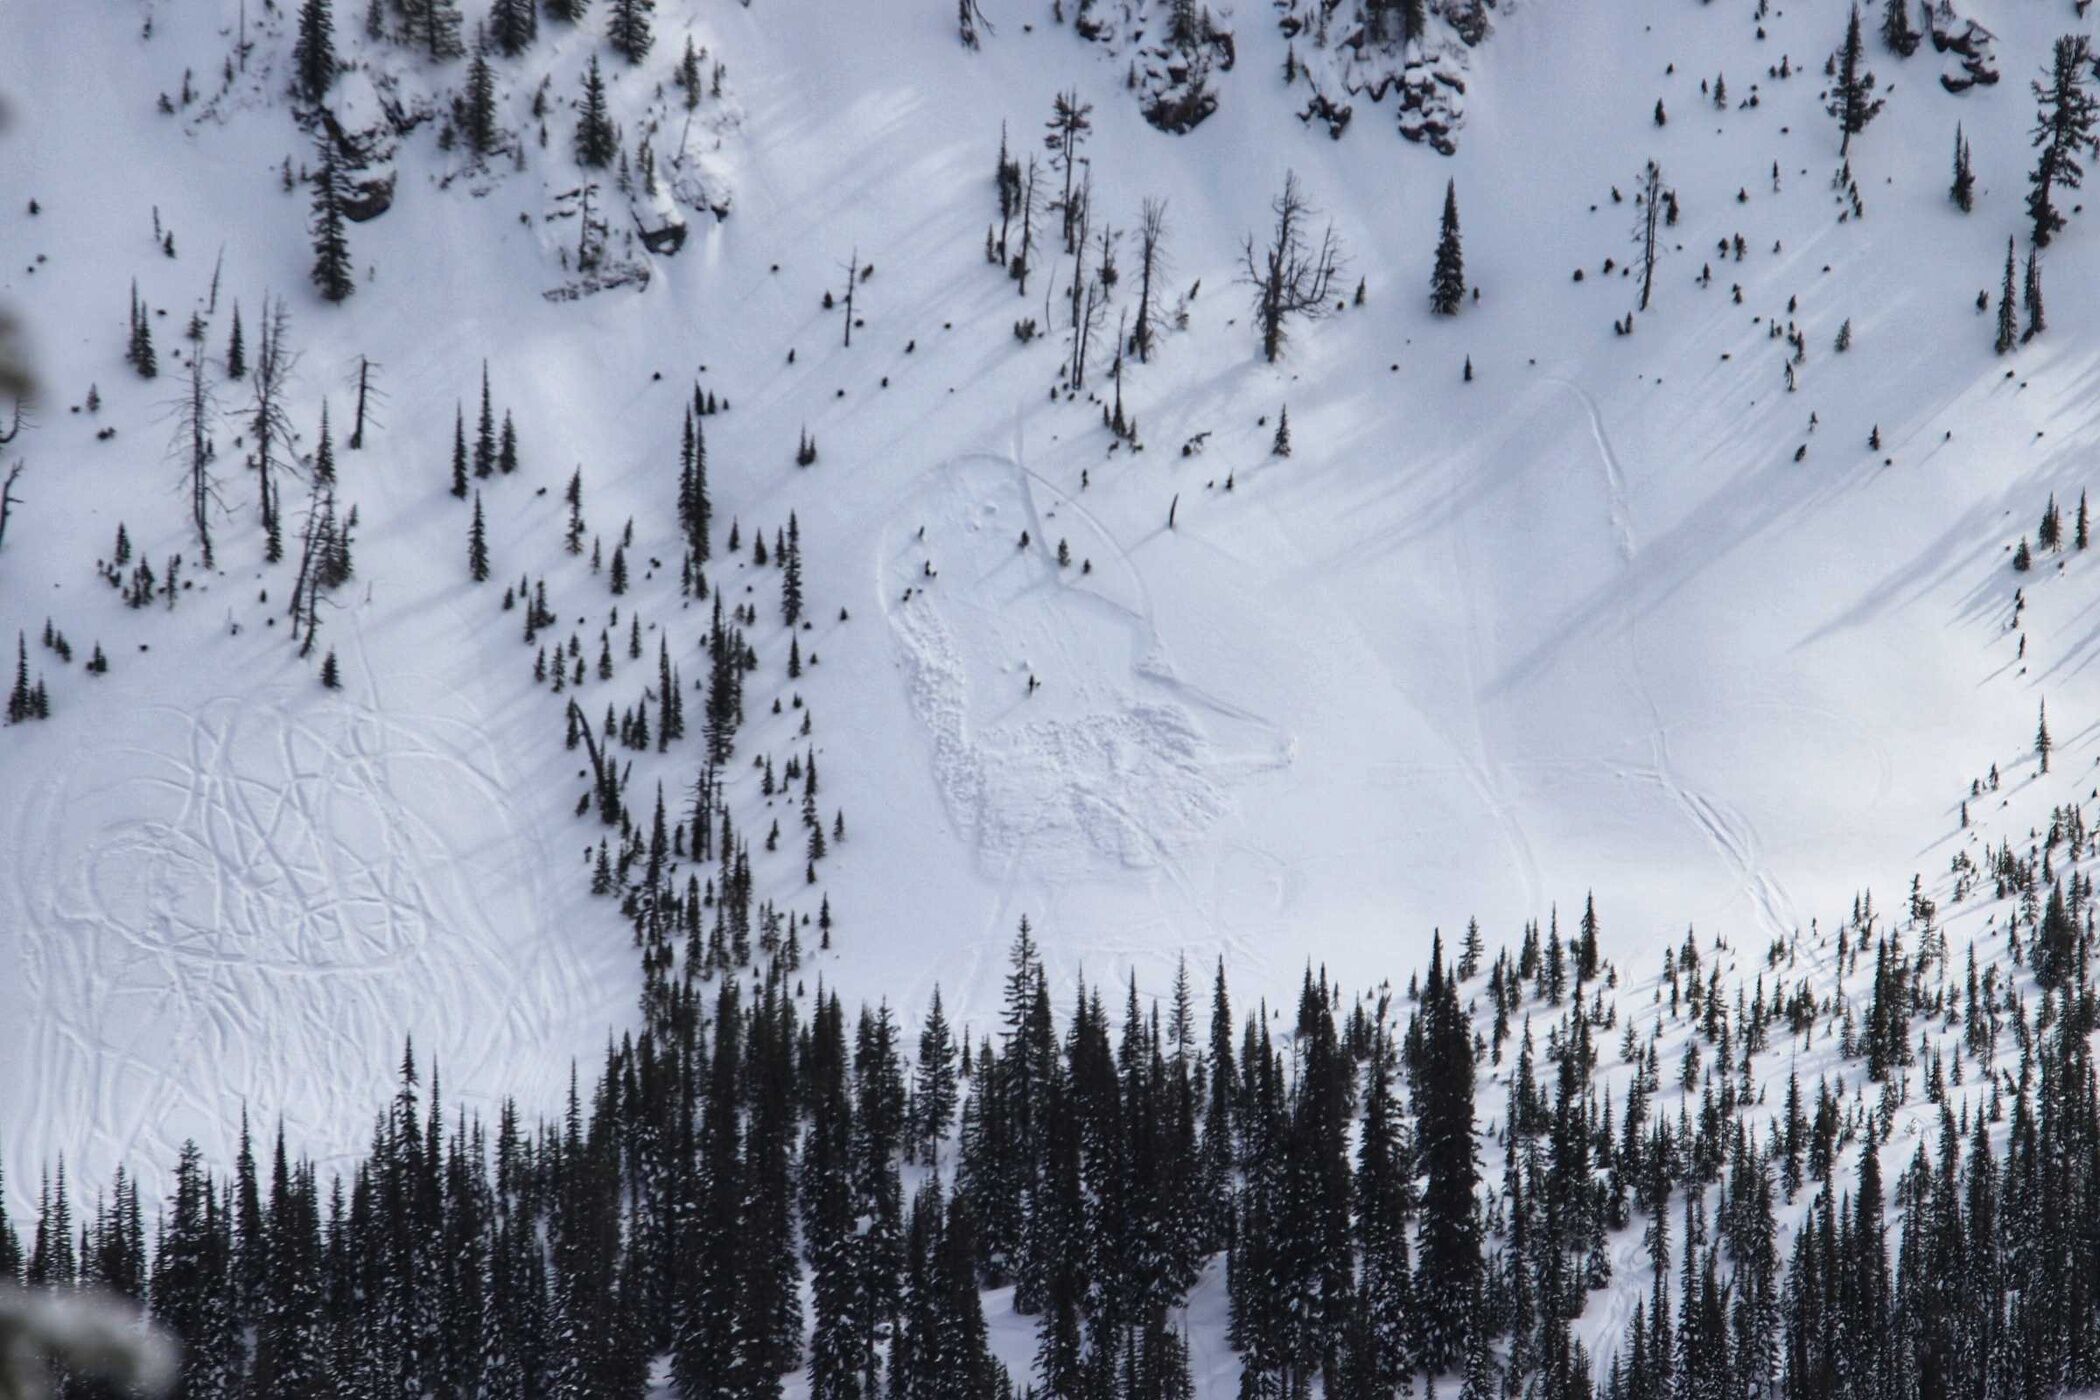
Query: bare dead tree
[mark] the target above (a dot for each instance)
(195, 413)
(1152, 263)
(8, 499)
(268, 421)
(1293, 275)
(1070, 121)
(1079, 208)
(366, 392)
(1024, 259)
(852, 283)
(970, 19)
(1651, 198)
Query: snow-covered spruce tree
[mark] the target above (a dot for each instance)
(1963, 189)
(2031, 297)
(791, 573)
(1440, 1071)
(1897, 31)
(1293, 274)
(596, 143)
(332, 275)
(2063, 129)
(481, 104)
(236, 350)
(1447, 281)
(513, 25)
(459, 452)
(485, 431)
(478, 545)
(435, 25)
(139, 348)
(1281, 445)
(2008, 326)
(572, 11)
(313, 55)
(628, 29)
(1852, 100)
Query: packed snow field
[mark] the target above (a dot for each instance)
(1530, 609)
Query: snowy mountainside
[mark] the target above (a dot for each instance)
(1588, 619)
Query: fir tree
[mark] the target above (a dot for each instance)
(459, 453)
(313, 55)
(2063, 130)
(2008, 326)
(791, 573)
(1447, 283)
(2031, 297)
(332, 275)
(481, 104)
(1852, 100)
(1963, 190)
(628, 29)
(1896, 28)
(478, 545)
(236, 352)
(2042, 744)
(596, 144)
(513, 25)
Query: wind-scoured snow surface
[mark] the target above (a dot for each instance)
(1581, 623)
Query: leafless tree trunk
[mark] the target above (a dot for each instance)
(852, 282)
(1292, 276)
(1022, 263)
(1152, 262)
(365, 393)
(194, 413)
(269, 422)
(1068, 127)
(1652, 195)
(8, 498)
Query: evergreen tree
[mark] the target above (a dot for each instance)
(481, 104)
(1897, 30)
(332, 274)
(1447, 284)
(2063, 130)
(2008, 326)
(513, 25)
(1441, 1070)
(478, 545)
(791, 573)
(596, 144)
(628, 29)
(313, 55)
(1963, 190)
(459, 453)
(1852, 100)
(236, 352)
(2031, 297)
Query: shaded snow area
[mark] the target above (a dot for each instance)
(1629, 614)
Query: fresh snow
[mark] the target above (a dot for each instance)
(1581, 624)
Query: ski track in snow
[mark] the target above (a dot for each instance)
(266, 887)
(1727, 832)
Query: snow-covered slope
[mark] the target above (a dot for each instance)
(1588, 620)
